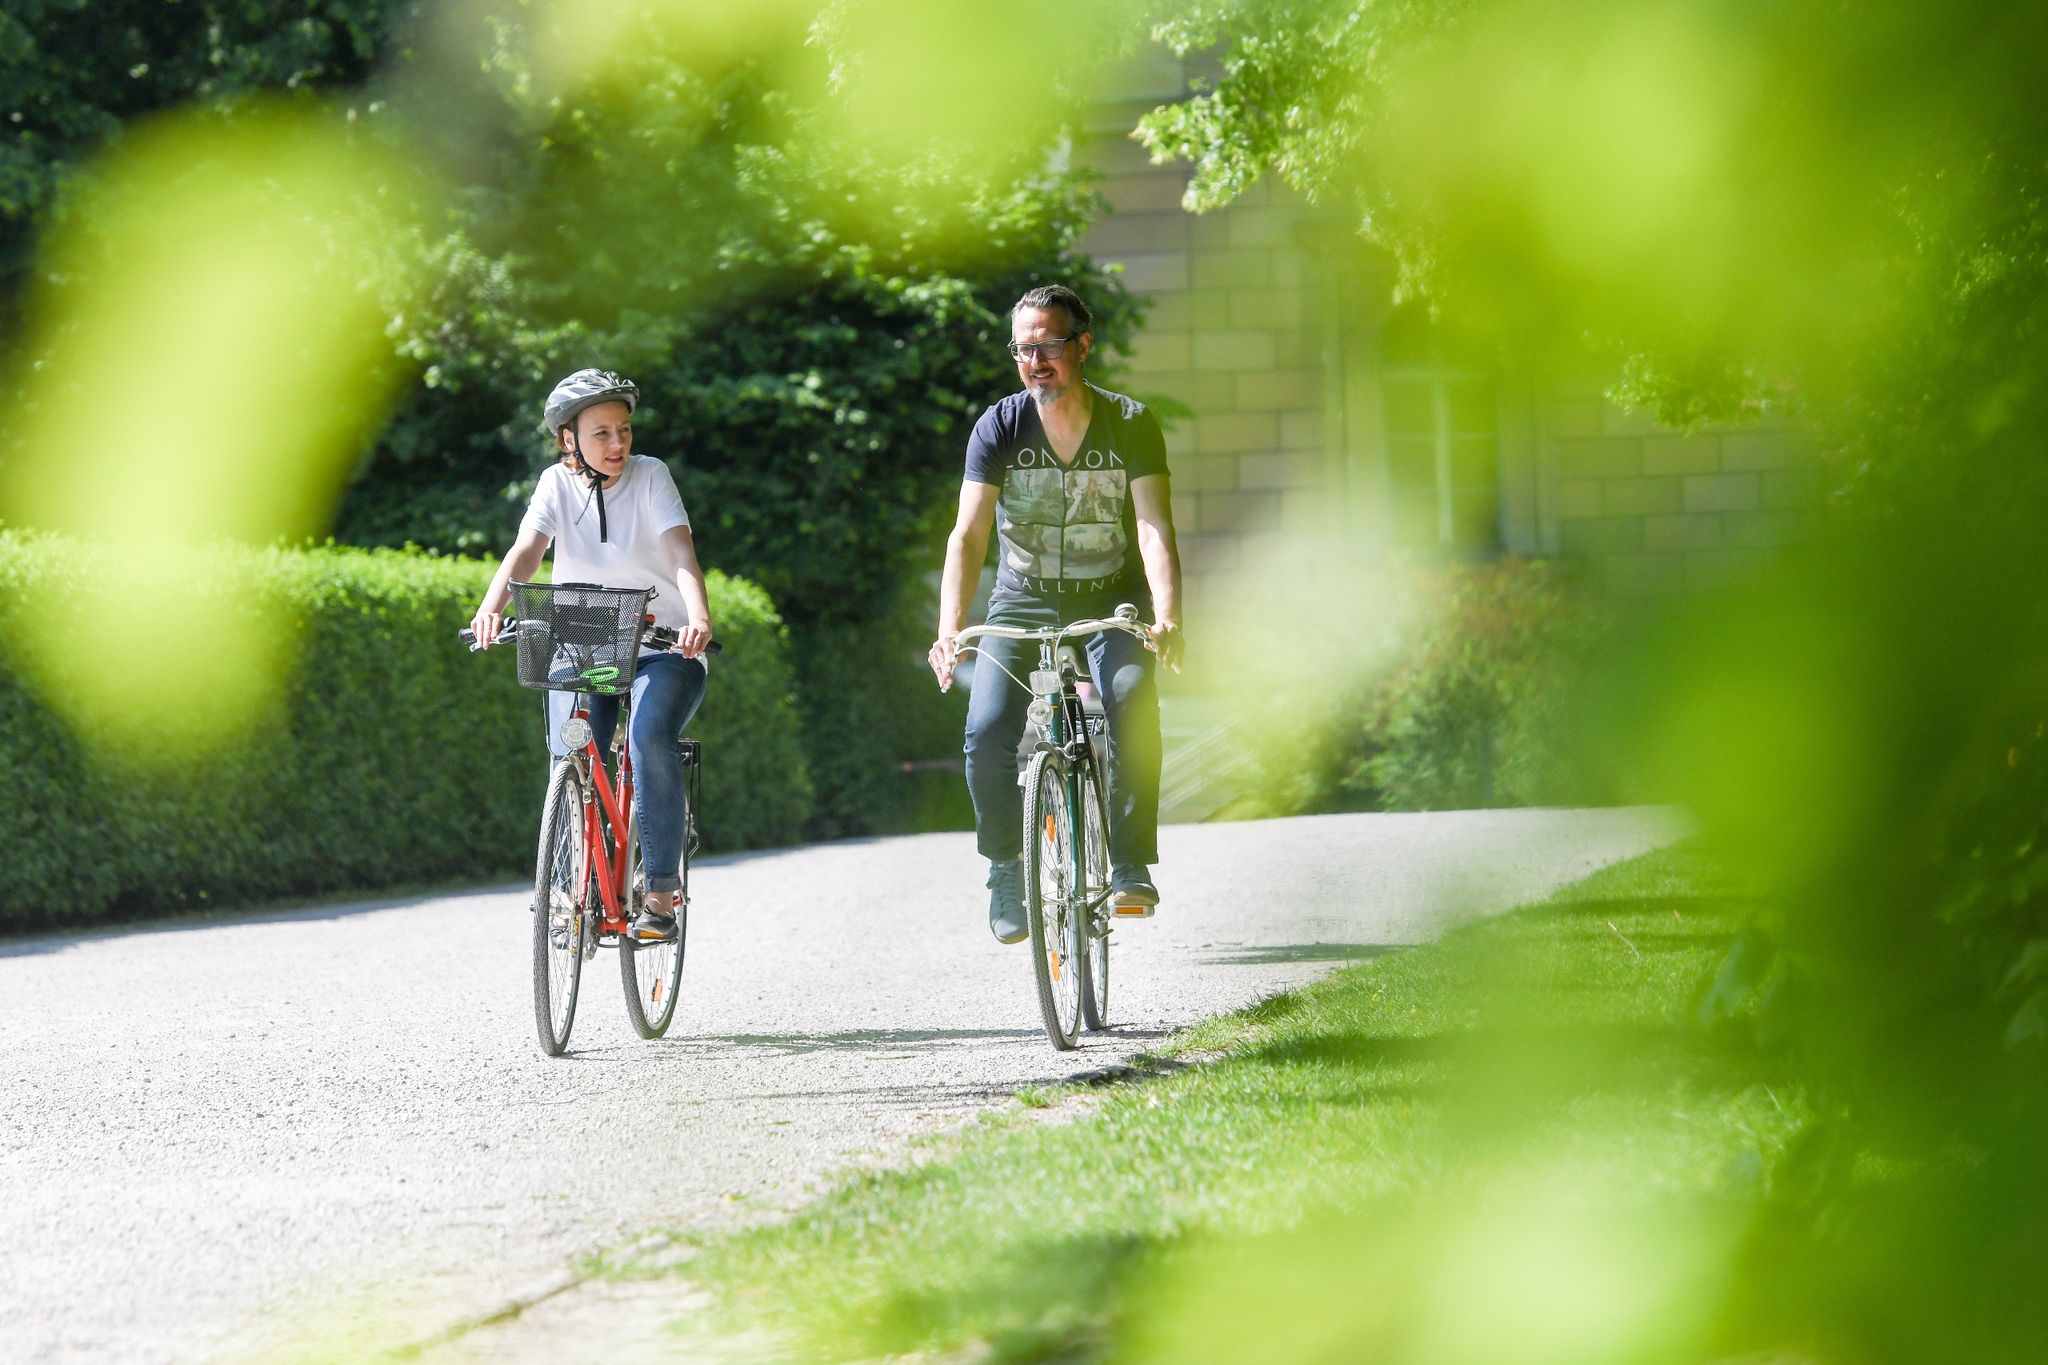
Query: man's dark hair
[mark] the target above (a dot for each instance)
(1056, 296)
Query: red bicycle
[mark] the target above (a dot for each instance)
(588, 878)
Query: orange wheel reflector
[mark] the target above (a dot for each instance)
(1052, 835)
(1054, 959)
(659, 986)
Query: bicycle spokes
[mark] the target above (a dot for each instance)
(560, 909)
(1052, 906)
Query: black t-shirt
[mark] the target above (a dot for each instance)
(1067, 531)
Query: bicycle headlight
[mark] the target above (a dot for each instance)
(575, 733)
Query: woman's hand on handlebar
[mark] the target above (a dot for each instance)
(694, 640)
(944, 653)
(486, 627)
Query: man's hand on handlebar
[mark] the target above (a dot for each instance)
(1168, 642)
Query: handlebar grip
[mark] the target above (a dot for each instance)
(510, 631)
(666, 638)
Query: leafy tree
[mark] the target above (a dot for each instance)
(76, 71)
(813, 342)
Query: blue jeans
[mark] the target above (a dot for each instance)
(667, 690)
(1124, 675)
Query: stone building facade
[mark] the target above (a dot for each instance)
(1306, 416)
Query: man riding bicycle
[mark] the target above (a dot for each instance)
(615, 519)
(1073, 480)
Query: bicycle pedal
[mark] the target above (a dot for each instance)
(1133, 911)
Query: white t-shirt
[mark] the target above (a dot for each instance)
(638, 509)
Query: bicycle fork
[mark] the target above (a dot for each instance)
(1077, 849)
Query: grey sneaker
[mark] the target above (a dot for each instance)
(1131, 893)
(649, 927)
(1006, 900)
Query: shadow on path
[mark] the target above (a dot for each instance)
(859, 1040)
(1299, 952)
(75, 936)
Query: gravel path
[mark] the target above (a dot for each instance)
(327, 1130)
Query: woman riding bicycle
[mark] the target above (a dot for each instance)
(616, 520)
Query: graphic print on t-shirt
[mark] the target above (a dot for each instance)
(1065, 523)
(1067, 530)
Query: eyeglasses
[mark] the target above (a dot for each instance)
(1021, 351)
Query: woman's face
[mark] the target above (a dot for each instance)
(606, 433)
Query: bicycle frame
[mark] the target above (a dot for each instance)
(1055, 685)
(606, 863)
(1054, 688)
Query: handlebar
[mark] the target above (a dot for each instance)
(1125, 620)
(663, 638)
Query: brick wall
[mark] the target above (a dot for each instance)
(1261, 346)
(1232, 340)
(1653, 509)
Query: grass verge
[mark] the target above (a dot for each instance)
(1519, 1143)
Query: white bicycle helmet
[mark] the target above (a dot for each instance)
(582, 389)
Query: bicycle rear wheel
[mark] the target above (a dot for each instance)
(1094, 898)
(561, 909)
(652, 973)
(1051, 903)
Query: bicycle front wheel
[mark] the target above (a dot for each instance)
(561, 909)
(1051, 898)
(1096, 919)
(652, 972)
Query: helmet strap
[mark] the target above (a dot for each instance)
(583, 467)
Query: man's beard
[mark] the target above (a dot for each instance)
(1045, 392)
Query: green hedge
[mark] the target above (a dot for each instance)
(1469, 704)
(396, 757)
(1480, 713)
(871, 706)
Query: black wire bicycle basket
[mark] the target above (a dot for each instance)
(577, 637)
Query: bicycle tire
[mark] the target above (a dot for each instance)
(1095, 893)
(561, 909)
(651, 973)
(1050, 902)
